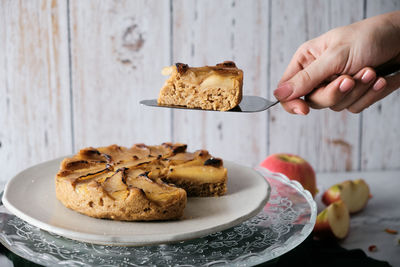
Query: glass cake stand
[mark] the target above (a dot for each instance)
(286, 220)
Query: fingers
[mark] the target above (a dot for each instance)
(301, 59)
(331, 94)
(296, 106)
(379, 84)
(381, 88)
(305, 80)
(344, 92)
(364, 79)
(338, 94)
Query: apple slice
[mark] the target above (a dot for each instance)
(333, 222)
(115, 185)
(354, 194)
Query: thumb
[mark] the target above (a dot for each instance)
(304, 81)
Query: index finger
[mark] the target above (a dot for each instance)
(301, 59)
(305, 80)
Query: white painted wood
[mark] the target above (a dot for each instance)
(209, 32)
(381, 121)
(34, 84)
(118, 49)
(328, 140)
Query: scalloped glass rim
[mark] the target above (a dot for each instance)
(269, 253)
(306, 231)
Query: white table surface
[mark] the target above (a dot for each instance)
(367, 227)
(382, 211)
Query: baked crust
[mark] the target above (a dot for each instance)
(211, 87)
(137, 183)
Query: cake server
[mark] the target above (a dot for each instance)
(251, 104)
(247, 105)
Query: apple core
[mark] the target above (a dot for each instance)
(290, 158)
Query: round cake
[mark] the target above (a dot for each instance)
(138, 183)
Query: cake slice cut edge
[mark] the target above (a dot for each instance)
(216, 87)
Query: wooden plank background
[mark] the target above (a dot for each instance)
(117, 51)
(207, 32)
(330, 140)
(35, 115)
(72, 74)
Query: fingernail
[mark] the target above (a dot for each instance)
(283, 91)
(346, 85)
(379, 84)
(368, 76)
(298, 111)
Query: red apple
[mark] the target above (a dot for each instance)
(294, 167)
(354, 194)
(333, 222)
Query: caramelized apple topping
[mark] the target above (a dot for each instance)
(116, 182)
(89, 152)
(94, 154)
(75, 165)
(227, 64)
(89, 176)
(182, 68)
(179, 148)
(215, 162)
(119, 169)
(140, 145)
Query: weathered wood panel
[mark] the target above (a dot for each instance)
(329, 140)
(34, 89)
(118, 49)
(209, 32)
(381, 122)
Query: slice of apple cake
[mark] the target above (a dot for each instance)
(138, 183)
(211, 87)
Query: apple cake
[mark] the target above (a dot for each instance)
(211, 87)
(138, 183)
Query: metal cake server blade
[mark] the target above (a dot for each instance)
(248, 104)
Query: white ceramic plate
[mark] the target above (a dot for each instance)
(30, 195)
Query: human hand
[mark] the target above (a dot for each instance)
(331, 70)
